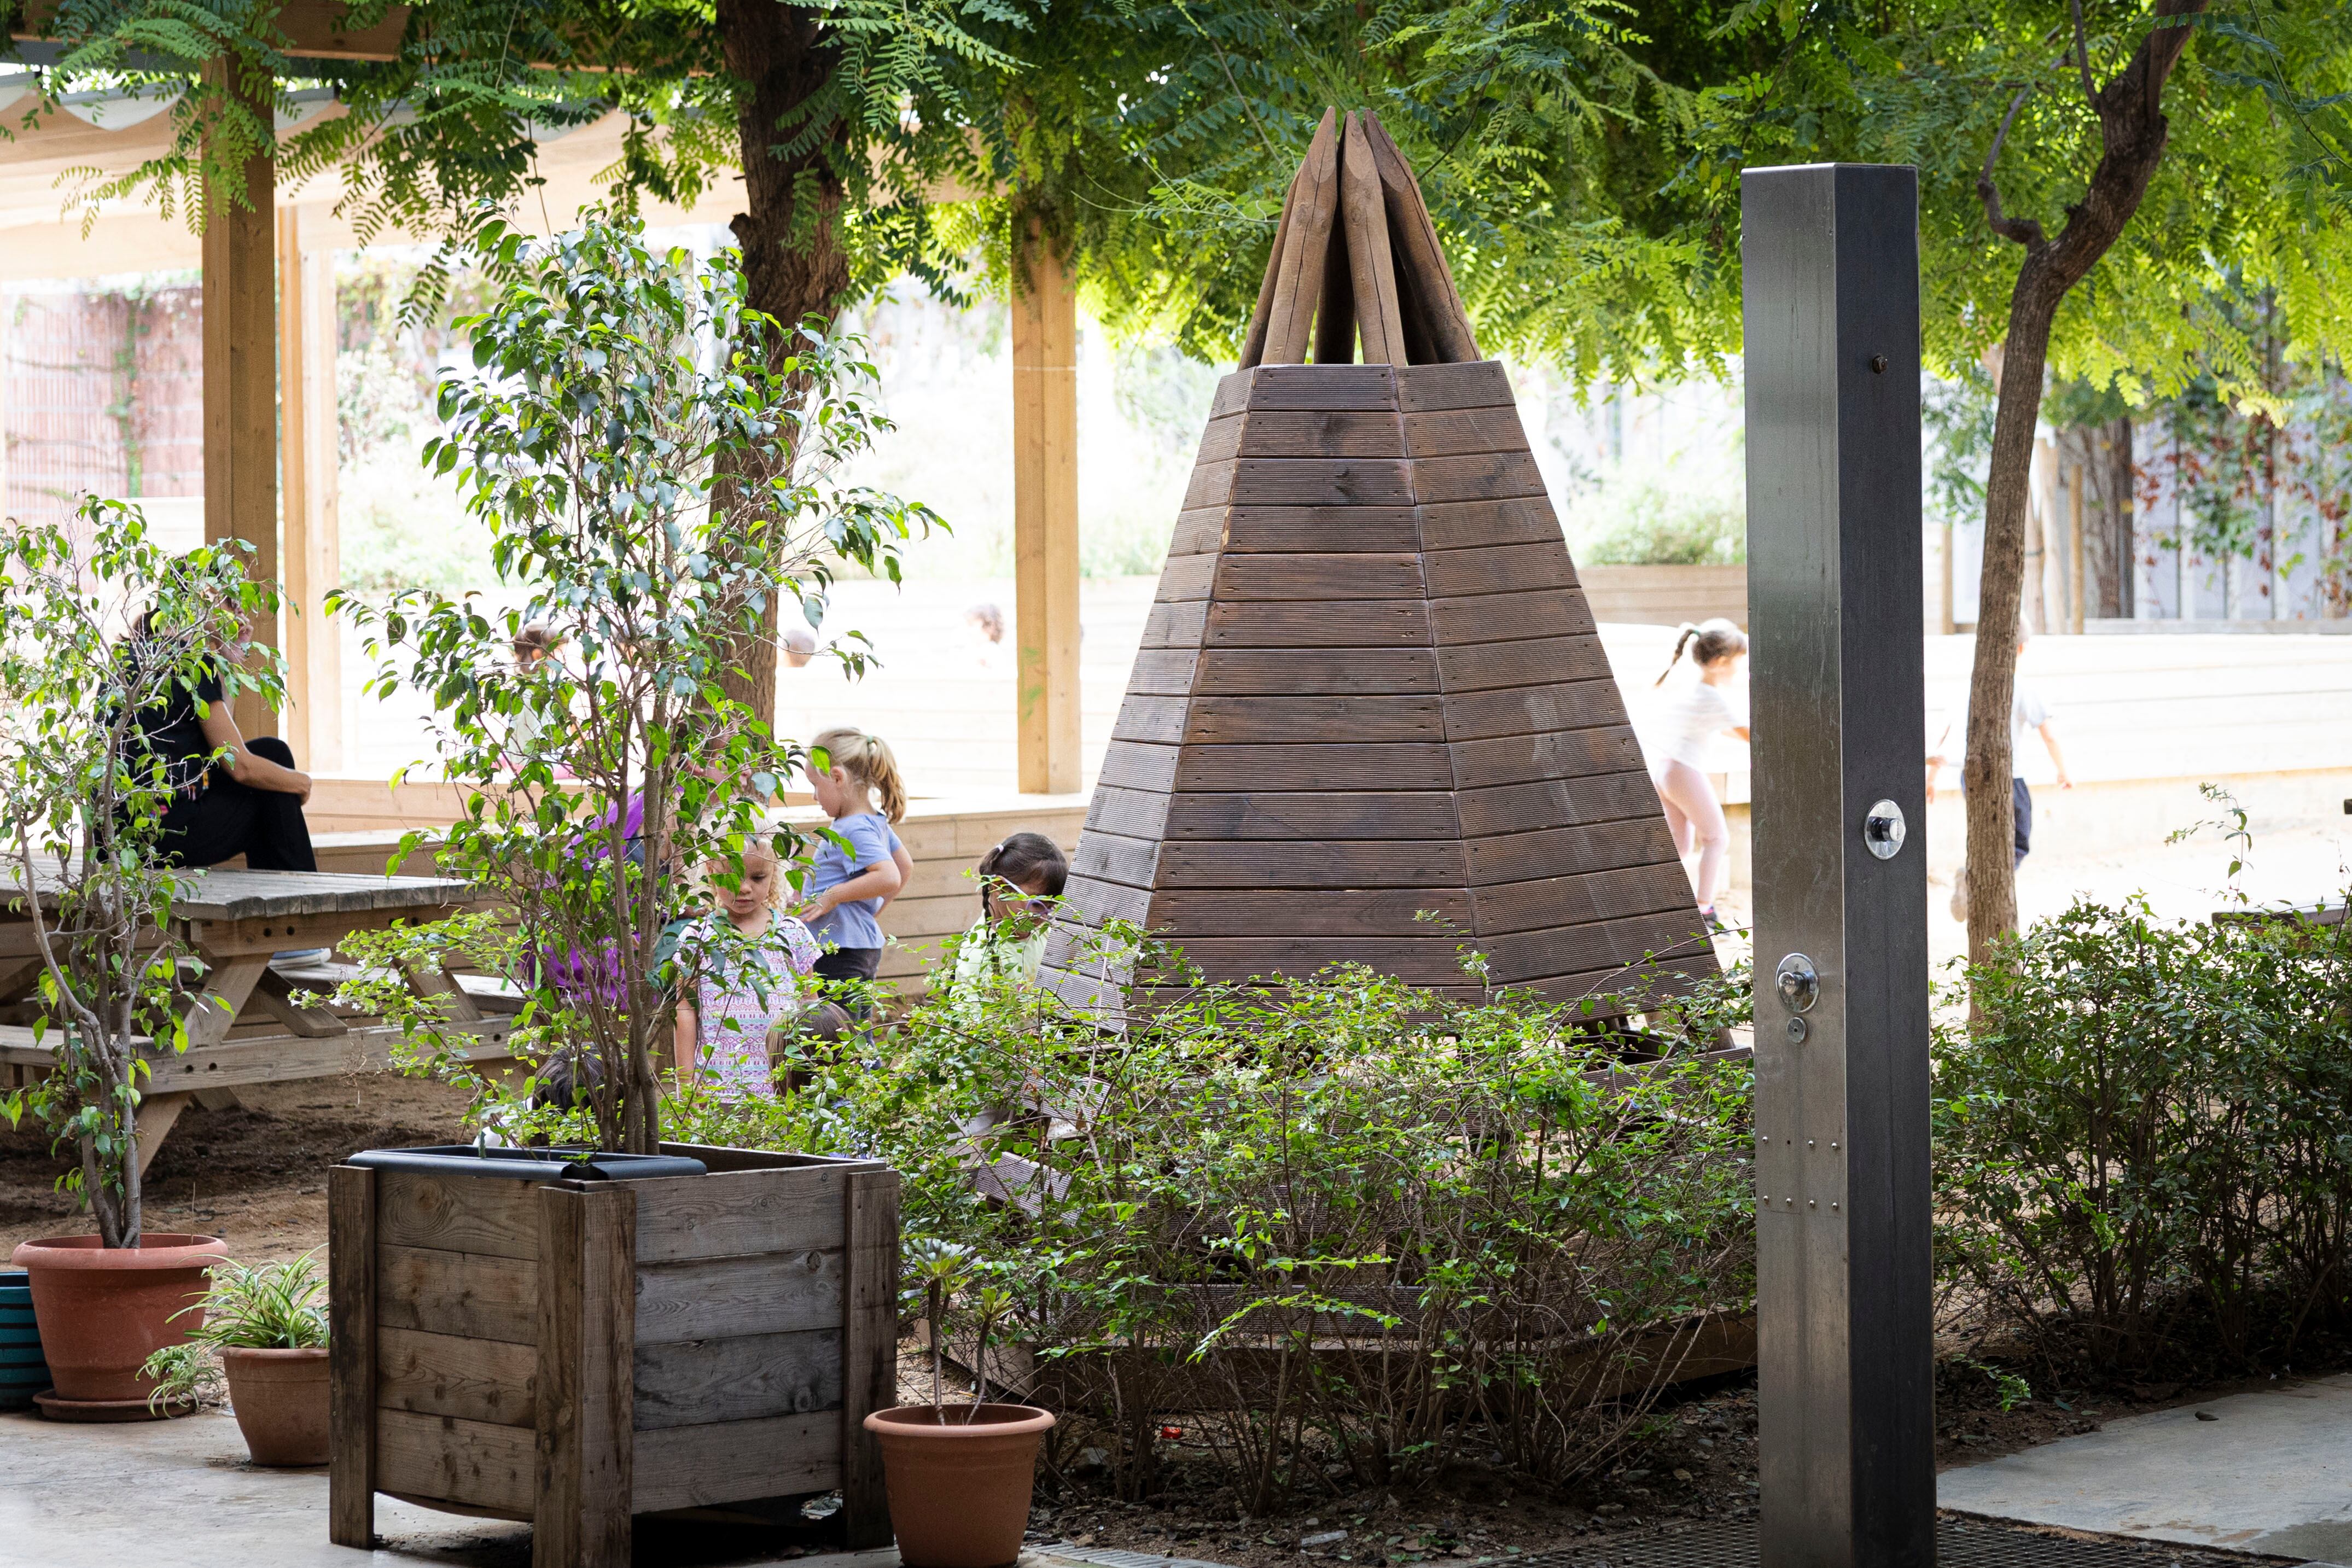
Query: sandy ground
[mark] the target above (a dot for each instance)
(255, 1176)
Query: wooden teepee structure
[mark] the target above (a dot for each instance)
(1371, 686)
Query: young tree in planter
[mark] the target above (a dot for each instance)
(90, 638)
(617, 401)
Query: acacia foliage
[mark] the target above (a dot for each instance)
(1582, 161)
(1344, 1222)
(440, 140)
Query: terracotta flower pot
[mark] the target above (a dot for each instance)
(104, 1310)
(959, 1492)
(280, 1397)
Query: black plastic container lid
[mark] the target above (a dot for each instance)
(527, 1165)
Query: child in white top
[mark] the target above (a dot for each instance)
(740, 979)
(1689, 741)
(1018, 880)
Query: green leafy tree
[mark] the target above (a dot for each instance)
(846, 118)
(2070, 220)
(91, 634)
(617, 399)
(1582, 163)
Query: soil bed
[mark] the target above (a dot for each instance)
(1699, 1466)
(254, 1174)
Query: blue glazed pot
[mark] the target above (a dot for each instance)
(23, 1371)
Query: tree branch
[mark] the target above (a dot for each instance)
(2083, 59)
(2026, 232)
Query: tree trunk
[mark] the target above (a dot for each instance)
(2132, 130)
(793, 265)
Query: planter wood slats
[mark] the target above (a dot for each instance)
(572, 1354)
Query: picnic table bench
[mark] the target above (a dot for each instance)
(244, 1022)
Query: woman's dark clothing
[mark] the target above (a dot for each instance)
(175, 732)
(226, 819)
(211, 817)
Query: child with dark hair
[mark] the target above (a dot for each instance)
(1019, 880)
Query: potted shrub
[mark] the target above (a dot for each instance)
(268, 1323)
(611, 1325)
(960, 1474)
(92, 634)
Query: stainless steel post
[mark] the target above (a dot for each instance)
(1834, 574)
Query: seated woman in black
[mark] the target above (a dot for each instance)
(249, 803)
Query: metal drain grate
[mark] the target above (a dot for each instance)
(1959, 1543)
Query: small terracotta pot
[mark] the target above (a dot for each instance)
(103, 1311)
(279, 1399)
(959, 1491)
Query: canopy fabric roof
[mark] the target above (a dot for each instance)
(42, 170)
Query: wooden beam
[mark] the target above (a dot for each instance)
(351, 1356)
(152, 1122)
(240, 306)
(1046, 520)
(869, 1352)
(308, 463)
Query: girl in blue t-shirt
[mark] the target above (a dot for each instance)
(857, 785)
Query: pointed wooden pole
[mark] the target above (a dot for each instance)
(1291, 314)
(1369, 268)
(1423, 278)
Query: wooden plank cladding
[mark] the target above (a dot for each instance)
(470, 1463)
(449, 1374)
(474, 1295)
(1321, 433)
(1371, 688)
(571, 1352)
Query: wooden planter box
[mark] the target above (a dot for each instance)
(575, 1353)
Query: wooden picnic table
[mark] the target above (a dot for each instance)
(244, 1023)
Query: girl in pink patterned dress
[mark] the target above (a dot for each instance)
(739, 980)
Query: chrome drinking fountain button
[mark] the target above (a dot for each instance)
(1798, 983)
(1797, 1029)
(1883, 829)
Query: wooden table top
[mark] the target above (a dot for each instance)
(275, 894)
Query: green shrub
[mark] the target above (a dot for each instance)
(1358, 1223)
(2144, 1141)
(1641, 523)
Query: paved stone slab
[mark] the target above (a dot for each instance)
(181, 1494)
(2271, 1473)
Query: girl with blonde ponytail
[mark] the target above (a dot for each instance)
(857, 784)
(1691, 725)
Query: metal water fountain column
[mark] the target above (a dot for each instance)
(1831, 259)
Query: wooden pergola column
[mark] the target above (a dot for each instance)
(240, 306)
(1046, 520)
(307, 461)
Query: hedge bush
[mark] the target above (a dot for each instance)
(1359, 1229)
(2143, 1141)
